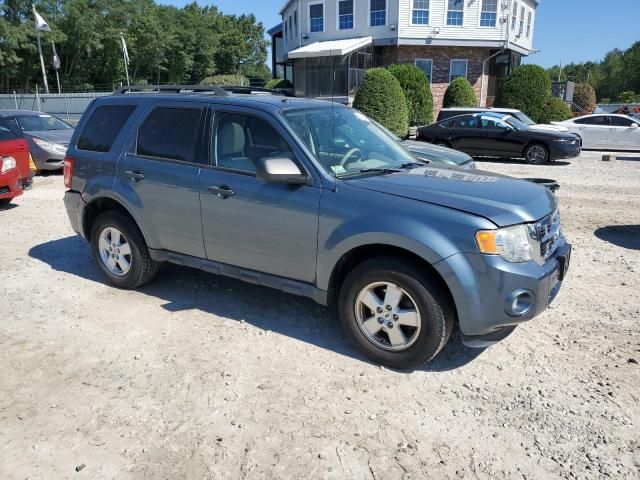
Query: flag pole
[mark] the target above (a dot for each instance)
(44, 73)
(125, 57)
(56, 65)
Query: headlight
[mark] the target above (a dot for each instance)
(7, 164)
(514, 244)
(50, 147)
(564, 140)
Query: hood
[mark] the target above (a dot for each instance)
(436, 153)
(548, 126)
(503, 200)
(63, 137)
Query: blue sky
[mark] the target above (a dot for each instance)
(566, 30)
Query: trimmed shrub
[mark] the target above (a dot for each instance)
(584, 97)
(278, 83)
(417, 93)
(222, 80)
(380, 97)
(556, 110)
(460, 94)
(527, 89)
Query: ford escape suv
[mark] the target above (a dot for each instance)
(314, 199)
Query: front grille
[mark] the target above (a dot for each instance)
(4, 190)
(549, 233)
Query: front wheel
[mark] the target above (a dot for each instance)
(394, 313)
(536, 154)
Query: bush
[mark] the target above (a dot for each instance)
(417, 93)
(278, 83)
(527, 89)
(459, 94)
(380, 97)
(222, 80)
(629, 97)
(556, 110)
(584, 97)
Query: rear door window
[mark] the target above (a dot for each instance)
(621, 121)
(6, 134)
(103, 126)
(597, 120)
(173, 133)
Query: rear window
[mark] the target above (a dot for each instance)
(171, 133)
(103, 126)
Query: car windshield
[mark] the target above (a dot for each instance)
(517, 124)
(41, 122)
(346, 142)
(523, 118)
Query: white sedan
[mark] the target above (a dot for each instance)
(607, 131)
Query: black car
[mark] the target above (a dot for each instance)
(499, 135)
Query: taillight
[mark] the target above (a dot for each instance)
(68, 171)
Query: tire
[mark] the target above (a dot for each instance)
(142, 267)
(5, 201)
(536, 154)
(435, 313)
(442, 143)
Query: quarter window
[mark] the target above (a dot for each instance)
(426, 65)
(316, 17)
(420, 14)
(455, 13)
(102, 127)
(458, 68)
(621, 122)
(172, 133)
(345, 14)
(241, 140)
(378, 13)
(489, 13)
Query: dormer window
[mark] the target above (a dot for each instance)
(455, 13)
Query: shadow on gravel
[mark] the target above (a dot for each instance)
(7, 206)
(628, 158)
(514, 161)
(186, 289)
(626, 236)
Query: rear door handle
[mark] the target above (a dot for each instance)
(223, 191)
(135, 175)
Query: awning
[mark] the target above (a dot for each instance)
(330, 48)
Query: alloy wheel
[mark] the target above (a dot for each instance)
(115, 251)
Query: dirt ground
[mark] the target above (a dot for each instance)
(197, 376)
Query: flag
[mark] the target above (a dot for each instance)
(56, 58)
(124, 48)
(41, 24)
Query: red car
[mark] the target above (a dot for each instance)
(15, 172)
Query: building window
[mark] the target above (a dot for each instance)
(316, 17)
(489, 13)
(284, 24)
(295, 23)
(345, 14)
(290, 30)
(426, 65)
(529, 24)
(521, 31)
(457, 68)
(377, 13)
(420, 14)
(455, 13)
(514, 16)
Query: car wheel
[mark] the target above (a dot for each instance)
(121, 252)
(536, 154)
(394, 313)
(442, 143)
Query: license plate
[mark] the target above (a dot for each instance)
(563, 264)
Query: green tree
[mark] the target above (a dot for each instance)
(459, 93)
(380, 97)
(279, 83)
(527, 89)
(629, 97)
(417, 93)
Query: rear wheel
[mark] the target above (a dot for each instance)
(120, 251)
(536, 154)
(394, 313)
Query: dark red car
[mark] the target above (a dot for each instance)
(15, 172)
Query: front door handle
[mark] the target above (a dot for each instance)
(223, 191)
(135, 175)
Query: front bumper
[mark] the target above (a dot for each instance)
(46, 160)
(11, 184)
(559, 151)
(484, 288)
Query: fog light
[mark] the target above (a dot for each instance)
(519, 303)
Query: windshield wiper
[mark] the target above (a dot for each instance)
(371, 170)
(414, 164)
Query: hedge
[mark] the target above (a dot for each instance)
(528, 89)
(417, 93)
(459, 94)
(278, 83)
(556, 110)
(229, 80)
(380, 97)
(584, 97)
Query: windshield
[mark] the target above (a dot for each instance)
(346, 142)
(523, 118)
(41, 122)
(515, 123)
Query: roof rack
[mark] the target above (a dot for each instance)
(244, 89)
(172, 89)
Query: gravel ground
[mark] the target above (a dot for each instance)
(197, 376)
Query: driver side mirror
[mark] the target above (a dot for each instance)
(280, 170)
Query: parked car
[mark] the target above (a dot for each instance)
(446, 113)
(256, 187)
(48, 135)
(609, 131)
(498, 135)
(15, 174)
